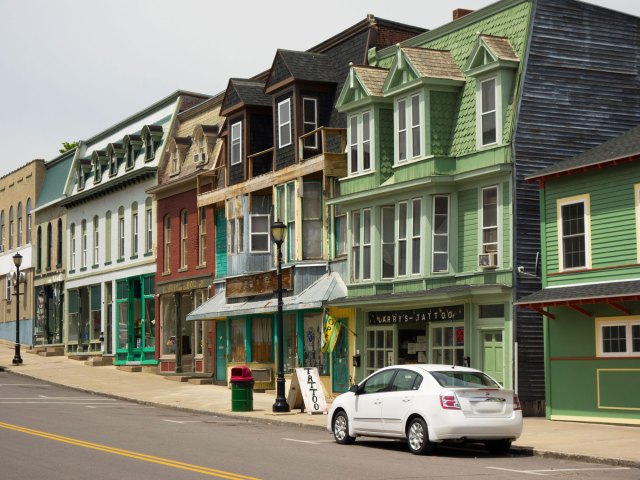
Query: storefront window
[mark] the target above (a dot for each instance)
(379, 349)
(96, 312)
(238, 351)
(186, 307)
(447, 345)
(313, 355)
(261, 339)
(290, 339)
(168, 328)
(122, 302)
(149, 312)
(74, 305)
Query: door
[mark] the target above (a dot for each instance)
(221, 351)
(136, 328)
(340, 361)
(492, 354)
(367, 416)
(211, 350)
(401, 397)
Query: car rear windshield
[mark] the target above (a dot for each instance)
(464, 379)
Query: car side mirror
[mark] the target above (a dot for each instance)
(354, 389)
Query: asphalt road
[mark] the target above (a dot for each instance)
(53, 432)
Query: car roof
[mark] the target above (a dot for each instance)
(432, 367)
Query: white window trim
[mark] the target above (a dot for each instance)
(202, 237)
(394, 241)
(236, 127)
(561, 202)
(498, 110)
(175, 161)
(498, 221)
(282, 125)
(627, 322)
(184, 239)
(408, 128)
(72, 247)
(360, 143)
(134, 233)
(166, 240)
(252, 233)
(448, 234)
(96, 242)
(314, 123)
(405, 239)
(83, 243)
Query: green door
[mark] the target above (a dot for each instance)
(221, 350)
(492, 354)
(135, 318)
(340, 362)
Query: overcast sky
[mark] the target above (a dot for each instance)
(71, 68)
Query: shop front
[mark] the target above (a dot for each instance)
(48, 328)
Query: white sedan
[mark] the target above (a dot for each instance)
(426, 405)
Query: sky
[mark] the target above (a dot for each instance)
(70, 69)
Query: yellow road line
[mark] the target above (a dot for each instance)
(127, 453)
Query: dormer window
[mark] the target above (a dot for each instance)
(131, 156)
(203, 151)
(199, 150)
(97, 171)
(113, 164)
(81, 179)
(359, 134)
(310, 121)
(408, 127)
(175, 161)
(284, 123)
(149, 150)
(488, 111)
(236, 143)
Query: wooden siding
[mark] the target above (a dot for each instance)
(221, 243)
(580, 88)
(468, 230)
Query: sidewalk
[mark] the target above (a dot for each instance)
(614, 445)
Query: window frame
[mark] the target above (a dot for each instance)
(485, 228)
(313, 139)
(388, 240)
(72, 247)
(435, 234)
(174, 161)
(184, 239)
(283, 125)
(134, 229)
(96, 240)
(265, 233)
(149, 225)
(359, 144)
(563, 202)
(83, 244)
(166, 258)
(409, 127)
(235, 140)
(628, 323)
(121, 234)
(481, 114)
(49, 241)
(202, 237)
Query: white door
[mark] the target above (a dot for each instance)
(397, 403)
(367, 415)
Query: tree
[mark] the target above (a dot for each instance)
(66, 146)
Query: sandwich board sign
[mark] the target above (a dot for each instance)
(306, 391)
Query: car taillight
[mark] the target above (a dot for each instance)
(516, 402)
(449, 401)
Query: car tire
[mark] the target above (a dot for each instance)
(418, 437)
(498, 447)
(340, 427)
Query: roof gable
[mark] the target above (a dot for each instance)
(490, 52)
(363, 82)
(244, 93)
(290, 65)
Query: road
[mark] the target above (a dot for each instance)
(52, 432)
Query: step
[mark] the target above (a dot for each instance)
(99, 361)
(81, 357)
(130, 368)
(177, 378)
(201, 381)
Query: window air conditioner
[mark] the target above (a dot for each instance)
(488, 260)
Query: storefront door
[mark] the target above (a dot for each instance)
(492, 354)
(340, 361)
(135, 317)
(221, 351)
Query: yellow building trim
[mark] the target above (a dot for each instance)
(600, 406)
(616, 421)
(584, 198)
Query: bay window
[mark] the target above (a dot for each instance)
(408, 127)
(360, 148)
(236, 143)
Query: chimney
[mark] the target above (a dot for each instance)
(460, 12)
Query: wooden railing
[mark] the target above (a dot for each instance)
(260, 163)
(332, 141)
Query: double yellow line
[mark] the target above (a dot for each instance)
(127, 453)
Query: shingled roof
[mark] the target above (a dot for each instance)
(314, 67)
(501, 47)
(372, 78)
(433, 63)
(576, 294)
(626, 146)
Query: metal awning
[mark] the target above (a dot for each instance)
(577, 296)
(324, 290)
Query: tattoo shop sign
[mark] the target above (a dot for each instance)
(453, 312)
(306, 389)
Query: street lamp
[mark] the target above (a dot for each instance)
(278, 233)
(17, 261)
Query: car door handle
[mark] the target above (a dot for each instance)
(405, 400)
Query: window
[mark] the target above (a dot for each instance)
(202, 237)
(72, 247)
(7, 282)
(447, 344)
(83, 240)
(235, 227)
(131, 155)
(440, 243)
(10, 228)
(59, 252)
(39, 253)
(96, 240)
(97, 171)
(379, 349)
(121, 233)
(149, 147)
(310, 121)
(313, 356)
(416, 235)
(135, 237)
(49, 239)
(361, 245)
(284, 123)
(149, 224)
(175, 161)
(490, 220)
(184, 238)
(402, 239)
(408, 128)
(406, 380)
(388, 241)
(261, 339)
(286, 213)
(167, 243)
(107, 237)
(81, 178)
(2, 231)
(236, 143)
(488, 129)
(29, 220)
(618, 337)
(113, 165)
(573, 228)
(259, 229)
(312, 220)
(379, 382)
(199, 150)
(238, 336)
(19, 224)
(340, 231)
(360, 143)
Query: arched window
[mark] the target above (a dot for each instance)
(184, 234)
(72, 247)
(49, 241)
(2, 231)
(134, 229)
(121, 233)
(107, 237)
(167, 243)
(59, 253)
(28, 220)
(39, 254)
(19, 224)
(96, 240)
(10, 228)
(83, 240)
(148, 215)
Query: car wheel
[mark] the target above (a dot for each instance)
(418, 437)
(341, 429)
(498, 447)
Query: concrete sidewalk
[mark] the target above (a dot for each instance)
(609, 444)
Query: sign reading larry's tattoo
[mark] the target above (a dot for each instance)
(454, 312)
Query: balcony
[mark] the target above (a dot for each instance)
(330, 158)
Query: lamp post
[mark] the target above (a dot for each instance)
(17, 261)
(278, 233)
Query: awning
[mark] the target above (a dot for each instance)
(576, 296)
(324, 290)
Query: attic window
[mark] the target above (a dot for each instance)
(175, 161)
(284, 123)
(113, 164)
(236, 143)
(131, 156)
(81, 179)
(488, 111)
(199, 150)
(97, 171)
(149, 147)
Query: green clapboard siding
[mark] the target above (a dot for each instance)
(442, 108)
(468, 230)
(385, 130)
(506, 226)
(221, 243)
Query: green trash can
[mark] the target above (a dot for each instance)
(241, 389)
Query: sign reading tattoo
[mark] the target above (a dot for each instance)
(434, 314)
(306, 391)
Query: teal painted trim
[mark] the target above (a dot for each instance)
(248, 354)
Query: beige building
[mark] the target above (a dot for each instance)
(18, 192)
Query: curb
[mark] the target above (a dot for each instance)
(272, 419)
